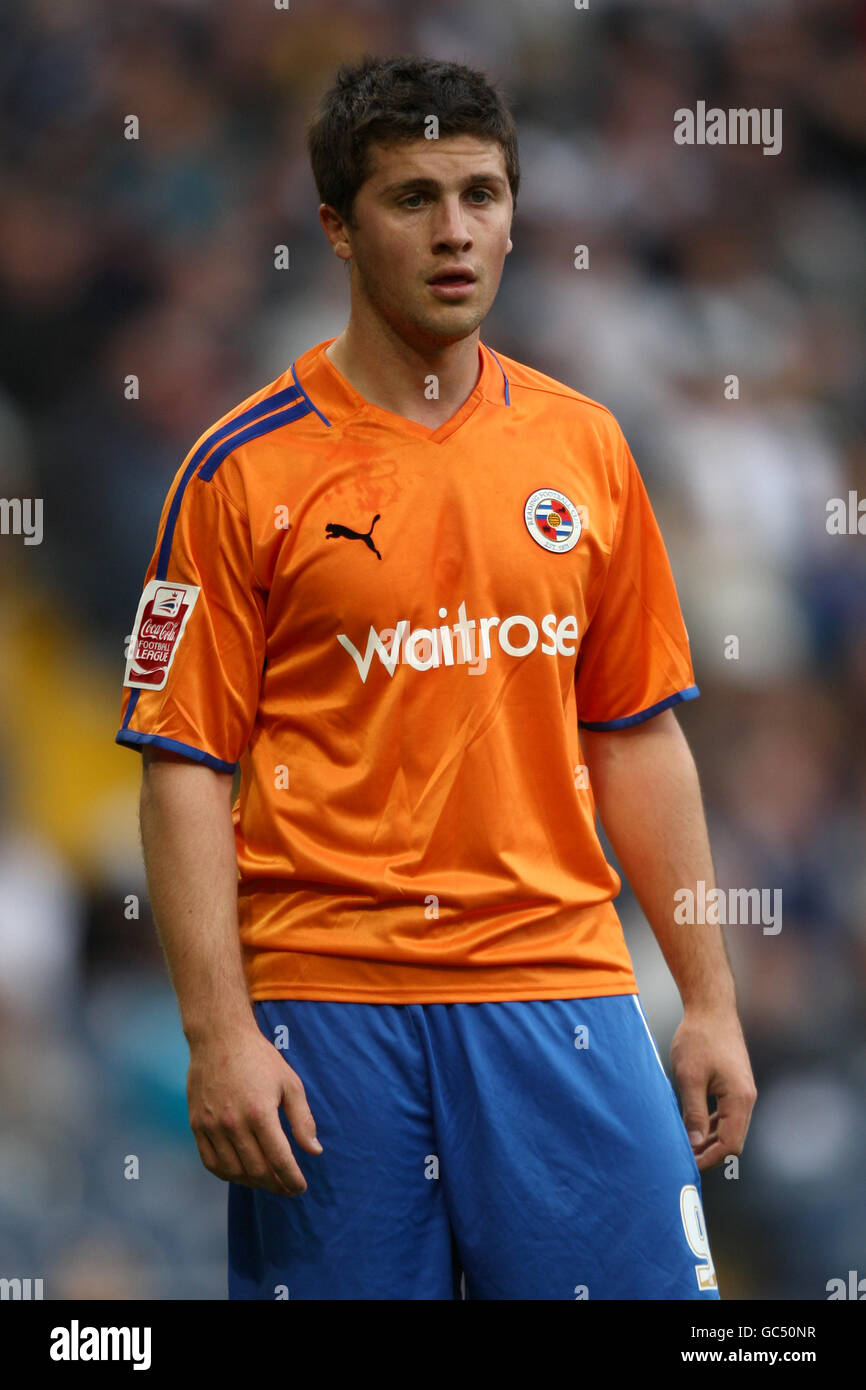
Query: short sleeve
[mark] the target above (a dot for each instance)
(196, 654)
(634, 660)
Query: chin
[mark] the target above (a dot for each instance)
(456, 322)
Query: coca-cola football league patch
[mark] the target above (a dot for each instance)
(159, 624)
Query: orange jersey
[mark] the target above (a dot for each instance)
(394, 631)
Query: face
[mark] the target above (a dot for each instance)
(428, 206)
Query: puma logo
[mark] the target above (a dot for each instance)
(334, 529)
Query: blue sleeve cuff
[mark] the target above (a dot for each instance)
(131, 739)
(690, 693)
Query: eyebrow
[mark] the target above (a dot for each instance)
(434, 186)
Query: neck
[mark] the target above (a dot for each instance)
(394, 375)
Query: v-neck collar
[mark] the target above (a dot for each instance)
(334, 399)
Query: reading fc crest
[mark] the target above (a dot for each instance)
(552, 519)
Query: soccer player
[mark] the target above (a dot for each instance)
(415, 592)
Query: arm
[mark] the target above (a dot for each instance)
(237, 1080)
(648, 796)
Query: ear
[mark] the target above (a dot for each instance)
(335, 230)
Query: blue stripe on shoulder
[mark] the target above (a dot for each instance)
(271, 422)
(227, 437)
(259, 419)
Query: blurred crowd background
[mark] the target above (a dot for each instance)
(155, 257)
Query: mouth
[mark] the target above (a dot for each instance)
(459, 276)
(452, 284)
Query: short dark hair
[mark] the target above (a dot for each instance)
(387, 100)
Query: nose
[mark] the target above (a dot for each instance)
(450, 226)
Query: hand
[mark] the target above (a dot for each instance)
(709, 1057)
(235, 1087)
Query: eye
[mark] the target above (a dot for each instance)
(407, 202)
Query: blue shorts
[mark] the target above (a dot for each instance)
(518, 1150)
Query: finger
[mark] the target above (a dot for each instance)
(257, 1166)
(294, 1103)
(227, 1164)
(712, 1155)
(712, 1135)
(727, 1135)
(695, 1113)
(277, 1153)
(206, 1151)
(734, 1114)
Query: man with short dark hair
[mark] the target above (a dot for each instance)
(391, 587)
